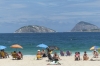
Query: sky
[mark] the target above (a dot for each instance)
(59, 15)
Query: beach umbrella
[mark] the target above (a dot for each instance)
(16, 46)
(2, 47)
(42, 45)
(53, 48)
(94, 48)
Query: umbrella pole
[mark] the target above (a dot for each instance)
(16, 49)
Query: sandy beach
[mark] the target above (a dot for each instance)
(31, 61)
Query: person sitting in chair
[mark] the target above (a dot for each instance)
(14, 55)
(19, 55)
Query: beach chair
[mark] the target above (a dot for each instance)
(14, 55)
(2, 54)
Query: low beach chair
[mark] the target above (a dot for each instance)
(14, 55)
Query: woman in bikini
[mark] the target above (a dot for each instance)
(77, 56)
(85, 57)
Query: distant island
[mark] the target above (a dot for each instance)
(79, 27)
(85, 27)
(34, 29)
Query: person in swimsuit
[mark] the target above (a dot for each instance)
(85, 57)
(56, 57)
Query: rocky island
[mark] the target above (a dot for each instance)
(34, 29)
(85, 27)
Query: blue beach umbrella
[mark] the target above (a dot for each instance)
(42, 45)
(2, 47)
(95, 48)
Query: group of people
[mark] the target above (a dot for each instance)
(67, 53)
(41, 54)
(85, 56)
(77, 56)
(16, 55)
(55, 57)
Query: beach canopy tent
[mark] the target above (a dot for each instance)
(94, 48)
(42, 45)
(2, 47)
(16, 46)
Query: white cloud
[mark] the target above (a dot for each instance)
(41, 3)
(84, 13)
(95, 3)
(18, 5)
(47, 3)
(58, 17)
(52, 4)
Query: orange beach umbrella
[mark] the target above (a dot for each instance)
(16, 46)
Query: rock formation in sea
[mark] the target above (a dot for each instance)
(34, 29)
(85, 27)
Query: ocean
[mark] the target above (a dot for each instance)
(73, 41)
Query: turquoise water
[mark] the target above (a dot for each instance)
(73, 41)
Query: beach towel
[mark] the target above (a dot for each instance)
(95, 59)
(53, 63)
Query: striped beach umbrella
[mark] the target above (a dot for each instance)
(94, 48)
